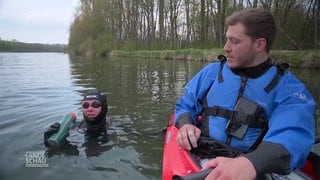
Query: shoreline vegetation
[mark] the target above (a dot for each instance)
(17, 46)
(299, 59)
(196, 27)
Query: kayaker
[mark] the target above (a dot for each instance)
(94, 124)
(250, 103)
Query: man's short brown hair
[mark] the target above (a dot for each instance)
(258, 22)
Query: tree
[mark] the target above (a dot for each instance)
(173, 24)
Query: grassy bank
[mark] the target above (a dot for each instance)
(303, 59)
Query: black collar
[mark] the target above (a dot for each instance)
(254, 71)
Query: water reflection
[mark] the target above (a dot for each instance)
(137, 88)
(141, 94)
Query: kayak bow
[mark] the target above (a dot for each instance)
(176, 160)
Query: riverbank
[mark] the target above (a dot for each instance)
(301, 59)
(16, 46)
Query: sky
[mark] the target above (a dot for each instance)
(37, 21)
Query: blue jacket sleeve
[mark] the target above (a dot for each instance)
(292, 123)
(194, 92)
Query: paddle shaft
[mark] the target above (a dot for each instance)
(196, 176)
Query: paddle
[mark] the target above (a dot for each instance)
(198, 176)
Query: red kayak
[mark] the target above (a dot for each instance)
(179, 163)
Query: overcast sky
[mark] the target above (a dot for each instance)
(37, 21)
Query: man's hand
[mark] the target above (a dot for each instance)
(239, 168)
(188, 136)
(51, 130)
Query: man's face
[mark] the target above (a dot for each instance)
(239, 48)
(91, 108)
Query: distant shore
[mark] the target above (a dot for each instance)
(16, 46)
(301, 59)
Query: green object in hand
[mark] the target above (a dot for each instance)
(65, 125)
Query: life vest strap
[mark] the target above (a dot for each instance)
(250, 120)
(281, 68)
(217, 111)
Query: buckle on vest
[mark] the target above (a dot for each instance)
(246, 113)
(236, 129)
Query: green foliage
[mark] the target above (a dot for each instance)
(87, 47)
(100, 46)
(15, 46)
(312, 60)
(101, 26)
(104, 44)
(183, 54)
(306, 59)
(130, 45)
(78, 34)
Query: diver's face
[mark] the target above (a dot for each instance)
(91, 108)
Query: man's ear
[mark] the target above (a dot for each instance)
(260, 44)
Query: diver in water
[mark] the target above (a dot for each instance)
(94, 124)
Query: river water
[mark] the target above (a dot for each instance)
(37, 89)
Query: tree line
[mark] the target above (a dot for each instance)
(100, 26)
(16, 46)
